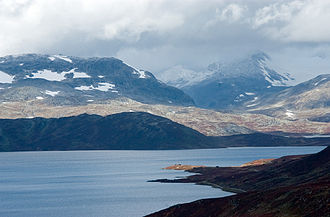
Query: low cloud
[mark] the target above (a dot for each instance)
(156, 35)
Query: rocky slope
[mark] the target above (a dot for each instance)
(208, 122)
(301, 99)
(288, 186)
(62, 80)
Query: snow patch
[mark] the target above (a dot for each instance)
(142, 74)
(51, 58)
(55, 76)
(101, 87)
(48, 75)
(254, 99)
(39, 98)
(100, 76)
(52, 93)
(290, 114)
(6, 78)
(77, 74)
(21, 64)
(90, 100)
(105, 87)
(250, 94)
(251, 105)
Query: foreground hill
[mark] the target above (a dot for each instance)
(288, 186)
(92, 132)
(63, 80)
(128, 130)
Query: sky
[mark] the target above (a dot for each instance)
(155, 35)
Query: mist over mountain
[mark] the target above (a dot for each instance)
(230, 85)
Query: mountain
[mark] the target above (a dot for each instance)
(234, 84)
(125, 131)
(309, 95)
(63, 80)
(288, 186)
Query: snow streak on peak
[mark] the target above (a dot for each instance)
(273, 77)
(6, 78)
(136, 71)
(65, 58)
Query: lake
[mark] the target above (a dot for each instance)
(111, 183)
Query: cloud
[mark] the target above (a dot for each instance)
(40, 23)
(231, 13)
(158, 34)
(296, 21)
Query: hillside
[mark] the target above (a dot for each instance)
(92, 132)
(63, 80)
(126, 131)
(299, 100)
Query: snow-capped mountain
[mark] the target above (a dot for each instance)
(180, 77)
(59, 80)
(238, 84)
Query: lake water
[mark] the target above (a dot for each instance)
(110, 183)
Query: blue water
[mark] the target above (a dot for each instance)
(110, 183)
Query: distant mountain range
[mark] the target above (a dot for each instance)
(63, 80)
(58, 86)
(234, 85)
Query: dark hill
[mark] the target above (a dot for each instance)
(132, 130)
(125, 131)
(288, 186)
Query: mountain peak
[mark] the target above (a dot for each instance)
(260, 55)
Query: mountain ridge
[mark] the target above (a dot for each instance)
(59, 79)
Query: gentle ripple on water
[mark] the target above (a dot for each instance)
(110, 183)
